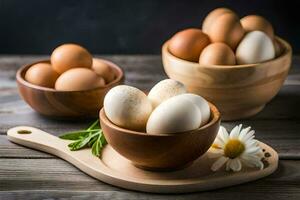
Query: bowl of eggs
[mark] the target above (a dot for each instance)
(164, 130)
(237, 64)
(71, 84)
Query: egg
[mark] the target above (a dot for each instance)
(70, 56)
(217, 54)
(41, 74)
(257, 23)
(226, 28)
(255, 47)
(212, 16)
(164, 90)
(104, 70)
(188, 44)
(174, 115)
(201, 103)
(127, 107)
(78, 79)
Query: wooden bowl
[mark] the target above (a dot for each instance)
(239, 91)
(65, 104)
(161, 152)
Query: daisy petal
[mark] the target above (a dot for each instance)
(253, 163)
(253, 150)
(219, 142)
(251, 143)
(260, 165)
(228, 165)
(249, 135)
(223, 134)
(215, 153)
(219, 163)
(250, 157)
(234, 134)
(235, 165)
(244, 133)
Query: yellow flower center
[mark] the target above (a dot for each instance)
(234, 148)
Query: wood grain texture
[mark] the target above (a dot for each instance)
(26, 172)
(116, 170)
(57, 178)
(239, 91)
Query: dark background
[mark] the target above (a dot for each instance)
(123, 27)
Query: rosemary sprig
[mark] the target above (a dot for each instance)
(91, 137)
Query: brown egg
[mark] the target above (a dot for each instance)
(69, 56)
(217, 54)
(257, 23)
(226, 28)
(78, 79)
(188, 44)
(103, 70)
(41, 74)
(212, 16)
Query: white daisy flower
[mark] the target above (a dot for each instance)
(236, 149)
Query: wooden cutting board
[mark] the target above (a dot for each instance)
(116, 170)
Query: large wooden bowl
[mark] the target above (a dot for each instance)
(161, 152)
(239, 91)
(65, 104)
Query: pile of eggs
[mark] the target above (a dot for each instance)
(167, 109)
(226, 40)
(72, 68)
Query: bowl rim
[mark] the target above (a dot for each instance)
(286, 46)
(25, 67)
(215, 119)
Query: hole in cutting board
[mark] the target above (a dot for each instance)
(23, 131)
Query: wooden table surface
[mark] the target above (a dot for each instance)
(28, 173)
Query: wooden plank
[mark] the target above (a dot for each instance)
(43, 178)
(267, 194)
(284, 137)
(141, 70)
(11, 150)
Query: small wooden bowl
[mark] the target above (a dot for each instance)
(239, 91)
(65, 104)
(161, 152)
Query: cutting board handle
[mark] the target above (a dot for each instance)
(38, 139)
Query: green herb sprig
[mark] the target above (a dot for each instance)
(91, 137)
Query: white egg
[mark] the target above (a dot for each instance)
(201, 103)
(255, 47)
(127, 107)
(164, 90)
(174, 115)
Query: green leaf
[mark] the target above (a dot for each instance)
(94, 125)
(75, 135)
(91, 137)
(96, 148)
(102, 139)
(91, 142)
(79, 144)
